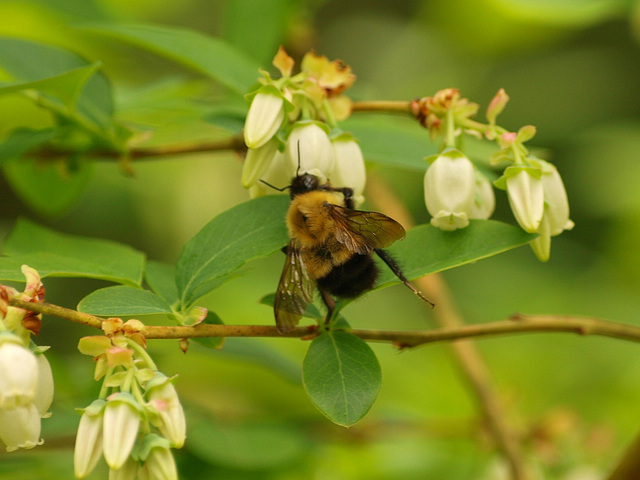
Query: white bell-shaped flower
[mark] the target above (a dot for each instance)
(88, 448)
(20, 427)
(257, 161)
(526, 197)
(264, 118)
(120, 428)
(348, 169)
(555, 199)
(485, 198)
(163, 398)
(449, 190)
(18, 373)
(44, 388)
(309, 150)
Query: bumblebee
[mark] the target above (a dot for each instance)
(331, 246)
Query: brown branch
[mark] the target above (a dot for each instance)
(382, 106)
(467, 355)
(235, 143)
(518, 324)
(629, 466)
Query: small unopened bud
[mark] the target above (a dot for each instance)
(264, 119)
(497, 105)
(88, 449)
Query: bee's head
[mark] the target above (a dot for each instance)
(303, 183)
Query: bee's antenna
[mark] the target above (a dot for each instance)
(298, 169)
(274, 187)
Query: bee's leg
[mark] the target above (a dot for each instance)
(395, 268)
(330, 303)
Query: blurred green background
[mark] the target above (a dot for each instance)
(572, 68)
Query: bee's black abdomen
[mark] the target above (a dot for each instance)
(352, 278)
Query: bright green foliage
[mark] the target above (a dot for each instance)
(123, 300)
(341, 375)
(250, 230)
(57, 255)
(205, 54)
(427, 249)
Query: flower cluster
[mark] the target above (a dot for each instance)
(137, 418)
(456, 190)
(26, 381)
(291, 127)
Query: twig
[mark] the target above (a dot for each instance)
(388, 106)
(235, 143)
(519, 324)
(468, 357)
(629, 466)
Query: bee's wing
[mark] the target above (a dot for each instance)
(295, 291)
(362, 232)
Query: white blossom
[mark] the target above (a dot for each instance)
(449, 190)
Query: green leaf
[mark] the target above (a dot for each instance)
(161, 277)
(246, 446)
(266, 20)
(21, 140)
(64, 72)
(55, 254)
(65, 87)
(396, 142)
(341, 375)
(253, 229)
(123, 300)
(208, 55)
(229, 117)
(50, 189)
(427, 249)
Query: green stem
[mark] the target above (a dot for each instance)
(128, 381)
(450, 134)
(104, 390)
(135, 391)
(141, 352)
(328, 113)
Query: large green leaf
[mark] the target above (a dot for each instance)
(397, 142)
(161, 277)
(341, 375)
(55, 254)
(253, 229)
(65, 87)
(266, 20)
(50, 189)
(22, 140)
(123, 300)
(62, 74)
(208, 55)
(427, 249)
